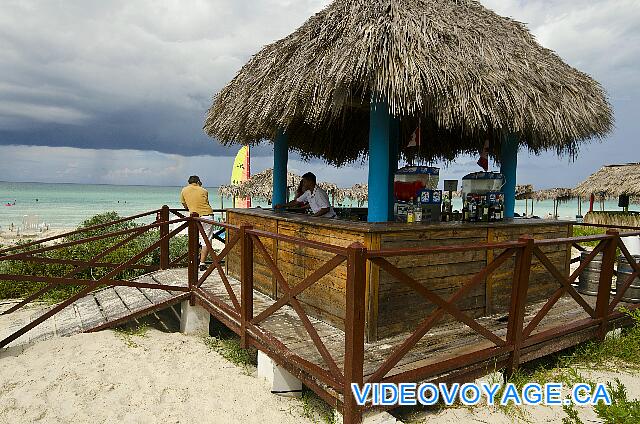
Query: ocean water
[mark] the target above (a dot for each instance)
(67, 205)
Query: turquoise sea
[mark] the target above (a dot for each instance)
(67, 205)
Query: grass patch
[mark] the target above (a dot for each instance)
(227, 344)
(128, 333)
(581, 231)
(315, 408)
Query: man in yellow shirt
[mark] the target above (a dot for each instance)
(196, 199)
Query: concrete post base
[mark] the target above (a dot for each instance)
(194, 319)
(281, 381)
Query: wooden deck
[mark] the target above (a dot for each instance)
(100, 309)
(446, 340)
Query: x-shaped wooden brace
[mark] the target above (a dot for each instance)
(443, 306)
(565, 287)
(290, 295)
(217, 259)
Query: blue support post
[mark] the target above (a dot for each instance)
(380, 193)
(280, 159)
(509, 164)
(394, 149)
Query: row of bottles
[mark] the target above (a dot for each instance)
(483, 207)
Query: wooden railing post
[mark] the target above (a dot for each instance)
(604, 283)
(518, 302)
(194, 253)
(354, 324)
(246, 282)
(164, 230)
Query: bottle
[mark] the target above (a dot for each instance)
(465, 211)
(417, 211)
(473, 211)
(485, 213)
(411, 217)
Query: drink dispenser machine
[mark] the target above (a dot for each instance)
(482, 196)
(412, 186)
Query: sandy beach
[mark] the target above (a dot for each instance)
(109, 377)
(158, 377)
(10, 238)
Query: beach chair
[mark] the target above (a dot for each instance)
(30, 223)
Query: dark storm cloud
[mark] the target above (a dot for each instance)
(127, 75)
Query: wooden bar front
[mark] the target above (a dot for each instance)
(392, 308)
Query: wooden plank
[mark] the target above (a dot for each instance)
(400, 244)
(111, 304)
(372, 301)
(89, 311)
(488, 307)
(438, 259)
(433, 233)
(132, 298)
(67, 321)
(442, 271)
(45, 330)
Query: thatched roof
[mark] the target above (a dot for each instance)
(611, 181)
(524, 191)
(467, 73)
(559, 194)
(260, 186)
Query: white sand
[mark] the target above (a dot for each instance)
(165, 378)
(10, 238)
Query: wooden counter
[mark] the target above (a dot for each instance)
(391, 307)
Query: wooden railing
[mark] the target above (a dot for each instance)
(329, 379)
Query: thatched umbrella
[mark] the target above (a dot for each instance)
(558, 195)
(612, 181)
(357, 192)
(525, 191)
(465, 72)
(258, 186)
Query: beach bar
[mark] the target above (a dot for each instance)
(338, 91)
(357, 80)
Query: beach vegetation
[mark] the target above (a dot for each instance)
(85, 252)
(226, 343)
(128, 332)
(315, 408)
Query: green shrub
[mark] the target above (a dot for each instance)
(86, 251)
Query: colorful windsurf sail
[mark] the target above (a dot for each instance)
(241, 172)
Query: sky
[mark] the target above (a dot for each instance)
(115, 92)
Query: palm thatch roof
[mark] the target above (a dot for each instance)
(259, 186)
(558, 194)
(465, 72)
(524, 191)
(611, 181)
